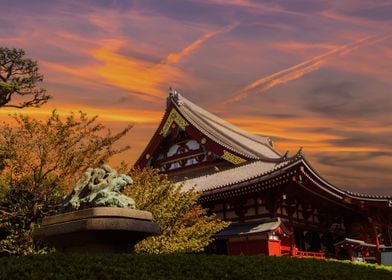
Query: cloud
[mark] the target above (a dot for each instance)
(139, 116)
(176, 57)
(137, 75)
(368, 15)
(102, 49)
(363, 172)
(298, 70)
(255, 6)
(111, 62)
(367, 138)
(345, 100)
(381, 12)
(295, 46)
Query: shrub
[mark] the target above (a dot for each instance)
(136, 266)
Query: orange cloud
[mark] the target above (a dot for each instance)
(298, 70)
(105, 114)
(107, 21)
(298, 134)
(131, 74)
(137, 76)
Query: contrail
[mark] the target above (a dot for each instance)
(175, 57)
(293, 75)
(298, 70)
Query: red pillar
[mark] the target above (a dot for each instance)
(350, 253)
(377, 242)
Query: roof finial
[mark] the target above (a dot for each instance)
(172, 92)
(299, 153)
(175, 96)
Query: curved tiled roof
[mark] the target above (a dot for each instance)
(232, 176)
(259, 169)
(229, 136)
(341, 191)
(361, 195)
(244, 229)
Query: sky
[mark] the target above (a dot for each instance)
(308, 73)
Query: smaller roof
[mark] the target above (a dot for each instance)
(243, 229)
(356, 243)
(232, 176)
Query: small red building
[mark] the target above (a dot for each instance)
(278, 204)
(268, 236)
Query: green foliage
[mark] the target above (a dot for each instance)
(19, 77)
(146, 267)
(21, 207)
(185, 225)
(40, 161)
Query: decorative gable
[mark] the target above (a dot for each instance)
(174, 117)
(190, 138)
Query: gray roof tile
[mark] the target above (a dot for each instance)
(229, 136)
(232, 176)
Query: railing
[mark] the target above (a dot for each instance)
(303, 254)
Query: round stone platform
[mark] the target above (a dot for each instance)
(99, 229)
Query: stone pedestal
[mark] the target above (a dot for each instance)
(99, 229)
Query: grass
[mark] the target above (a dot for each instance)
(140, 267)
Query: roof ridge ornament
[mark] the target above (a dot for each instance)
(175, 96)
(300, 153)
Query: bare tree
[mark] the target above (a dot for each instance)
(19, 77)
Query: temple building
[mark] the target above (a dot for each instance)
(278, 204)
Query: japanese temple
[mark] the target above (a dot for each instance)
(278, 204)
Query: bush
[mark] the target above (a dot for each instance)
(134, 266)
(186, 227)
(39, 161)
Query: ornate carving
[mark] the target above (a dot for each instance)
(232, 158)
(174, 116)
(99, 187)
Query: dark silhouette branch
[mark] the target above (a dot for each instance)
(19, 78)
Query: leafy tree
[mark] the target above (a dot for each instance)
(40, 160)
(185, 225)
(19, 77)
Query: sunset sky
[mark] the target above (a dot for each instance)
(315, 74)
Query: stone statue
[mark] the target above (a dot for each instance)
(99, 187)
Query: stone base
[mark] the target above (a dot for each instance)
(100, 229)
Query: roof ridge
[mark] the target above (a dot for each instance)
(247, 144)
(227, 124)
(244, 152)
(230, 127)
